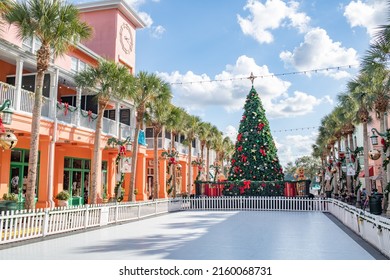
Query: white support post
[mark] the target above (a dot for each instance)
(18, 83)
(78, 105)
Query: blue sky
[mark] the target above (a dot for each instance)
(199, 41)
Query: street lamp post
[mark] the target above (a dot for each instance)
(374, 142)
(6, 112)
(354, 160)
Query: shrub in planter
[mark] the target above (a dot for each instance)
(63, 197)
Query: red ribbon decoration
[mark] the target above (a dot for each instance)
(244, 158)
(262, 151)
(2, 128)
(239, 149)
(247, 184)
(239, 137)
(89, 115)
(260, 126)
(66, 105)
(122, 150)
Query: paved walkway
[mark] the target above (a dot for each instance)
(206, 235)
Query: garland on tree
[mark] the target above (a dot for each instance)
(255, 159)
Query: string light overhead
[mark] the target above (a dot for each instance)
(253, 77)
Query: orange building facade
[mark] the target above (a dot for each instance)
(68, 115)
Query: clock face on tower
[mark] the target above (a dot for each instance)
(126, 38)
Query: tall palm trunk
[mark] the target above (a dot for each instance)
(172, 170)
(208, 164)
(383, 171)
(134, 157)
(43, 60)
(347, 160)
(189, 178)
(156, 185)
(97, 155)
(366, 167)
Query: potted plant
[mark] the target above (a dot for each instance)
(105, 196)
(63, 197)
(9, 202)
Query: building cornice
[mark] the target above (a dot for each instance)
(113, 4)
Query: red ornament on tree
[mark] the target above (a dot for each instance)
(260, 126)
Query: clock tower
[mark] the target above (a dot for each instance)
(115, 24)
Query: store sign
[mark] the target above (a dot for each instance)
(126, 165)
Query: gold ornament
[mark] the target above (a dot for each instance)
(8, 140)
(374, 154)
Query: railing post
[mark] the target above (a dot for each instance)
(86, 220)
(116, 212)
(45, 222)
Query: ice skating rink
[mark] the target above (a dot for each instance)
(208, 235)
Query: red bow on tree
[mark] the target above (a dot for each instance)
(239, 149)
(260, 126)
(244, 158)
(239, 137)
(247, 184)
(262, 151)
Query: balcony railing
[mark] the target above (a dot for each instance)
(68, 116)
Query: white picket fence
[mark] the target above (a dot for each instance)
(23, 225)
(256, 203)
(374, 229)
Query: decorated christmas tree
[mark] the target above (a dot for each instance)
(255, 165)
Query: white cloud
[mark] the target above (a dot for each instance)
(198, 93)
(231, 132)
(146, 18)
(158, 31)
(273, 14)
(367, 14)
(155, 31)
(135, 4)
(319, 51)
(292, 147)
(299, 104)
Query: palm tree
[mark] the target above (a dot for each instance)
(147, 90)
(348, 118)
(227, 151)
(111, 80)
(360, 90)
(191, 131)
(4, 6)
(214, 132)
(204, 133)
(175, 125)
(158, 116)
(57, 26)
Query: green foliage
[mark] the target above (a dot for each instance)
(63, 195)
(10, 197)
(255, 157)
(310, 165)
